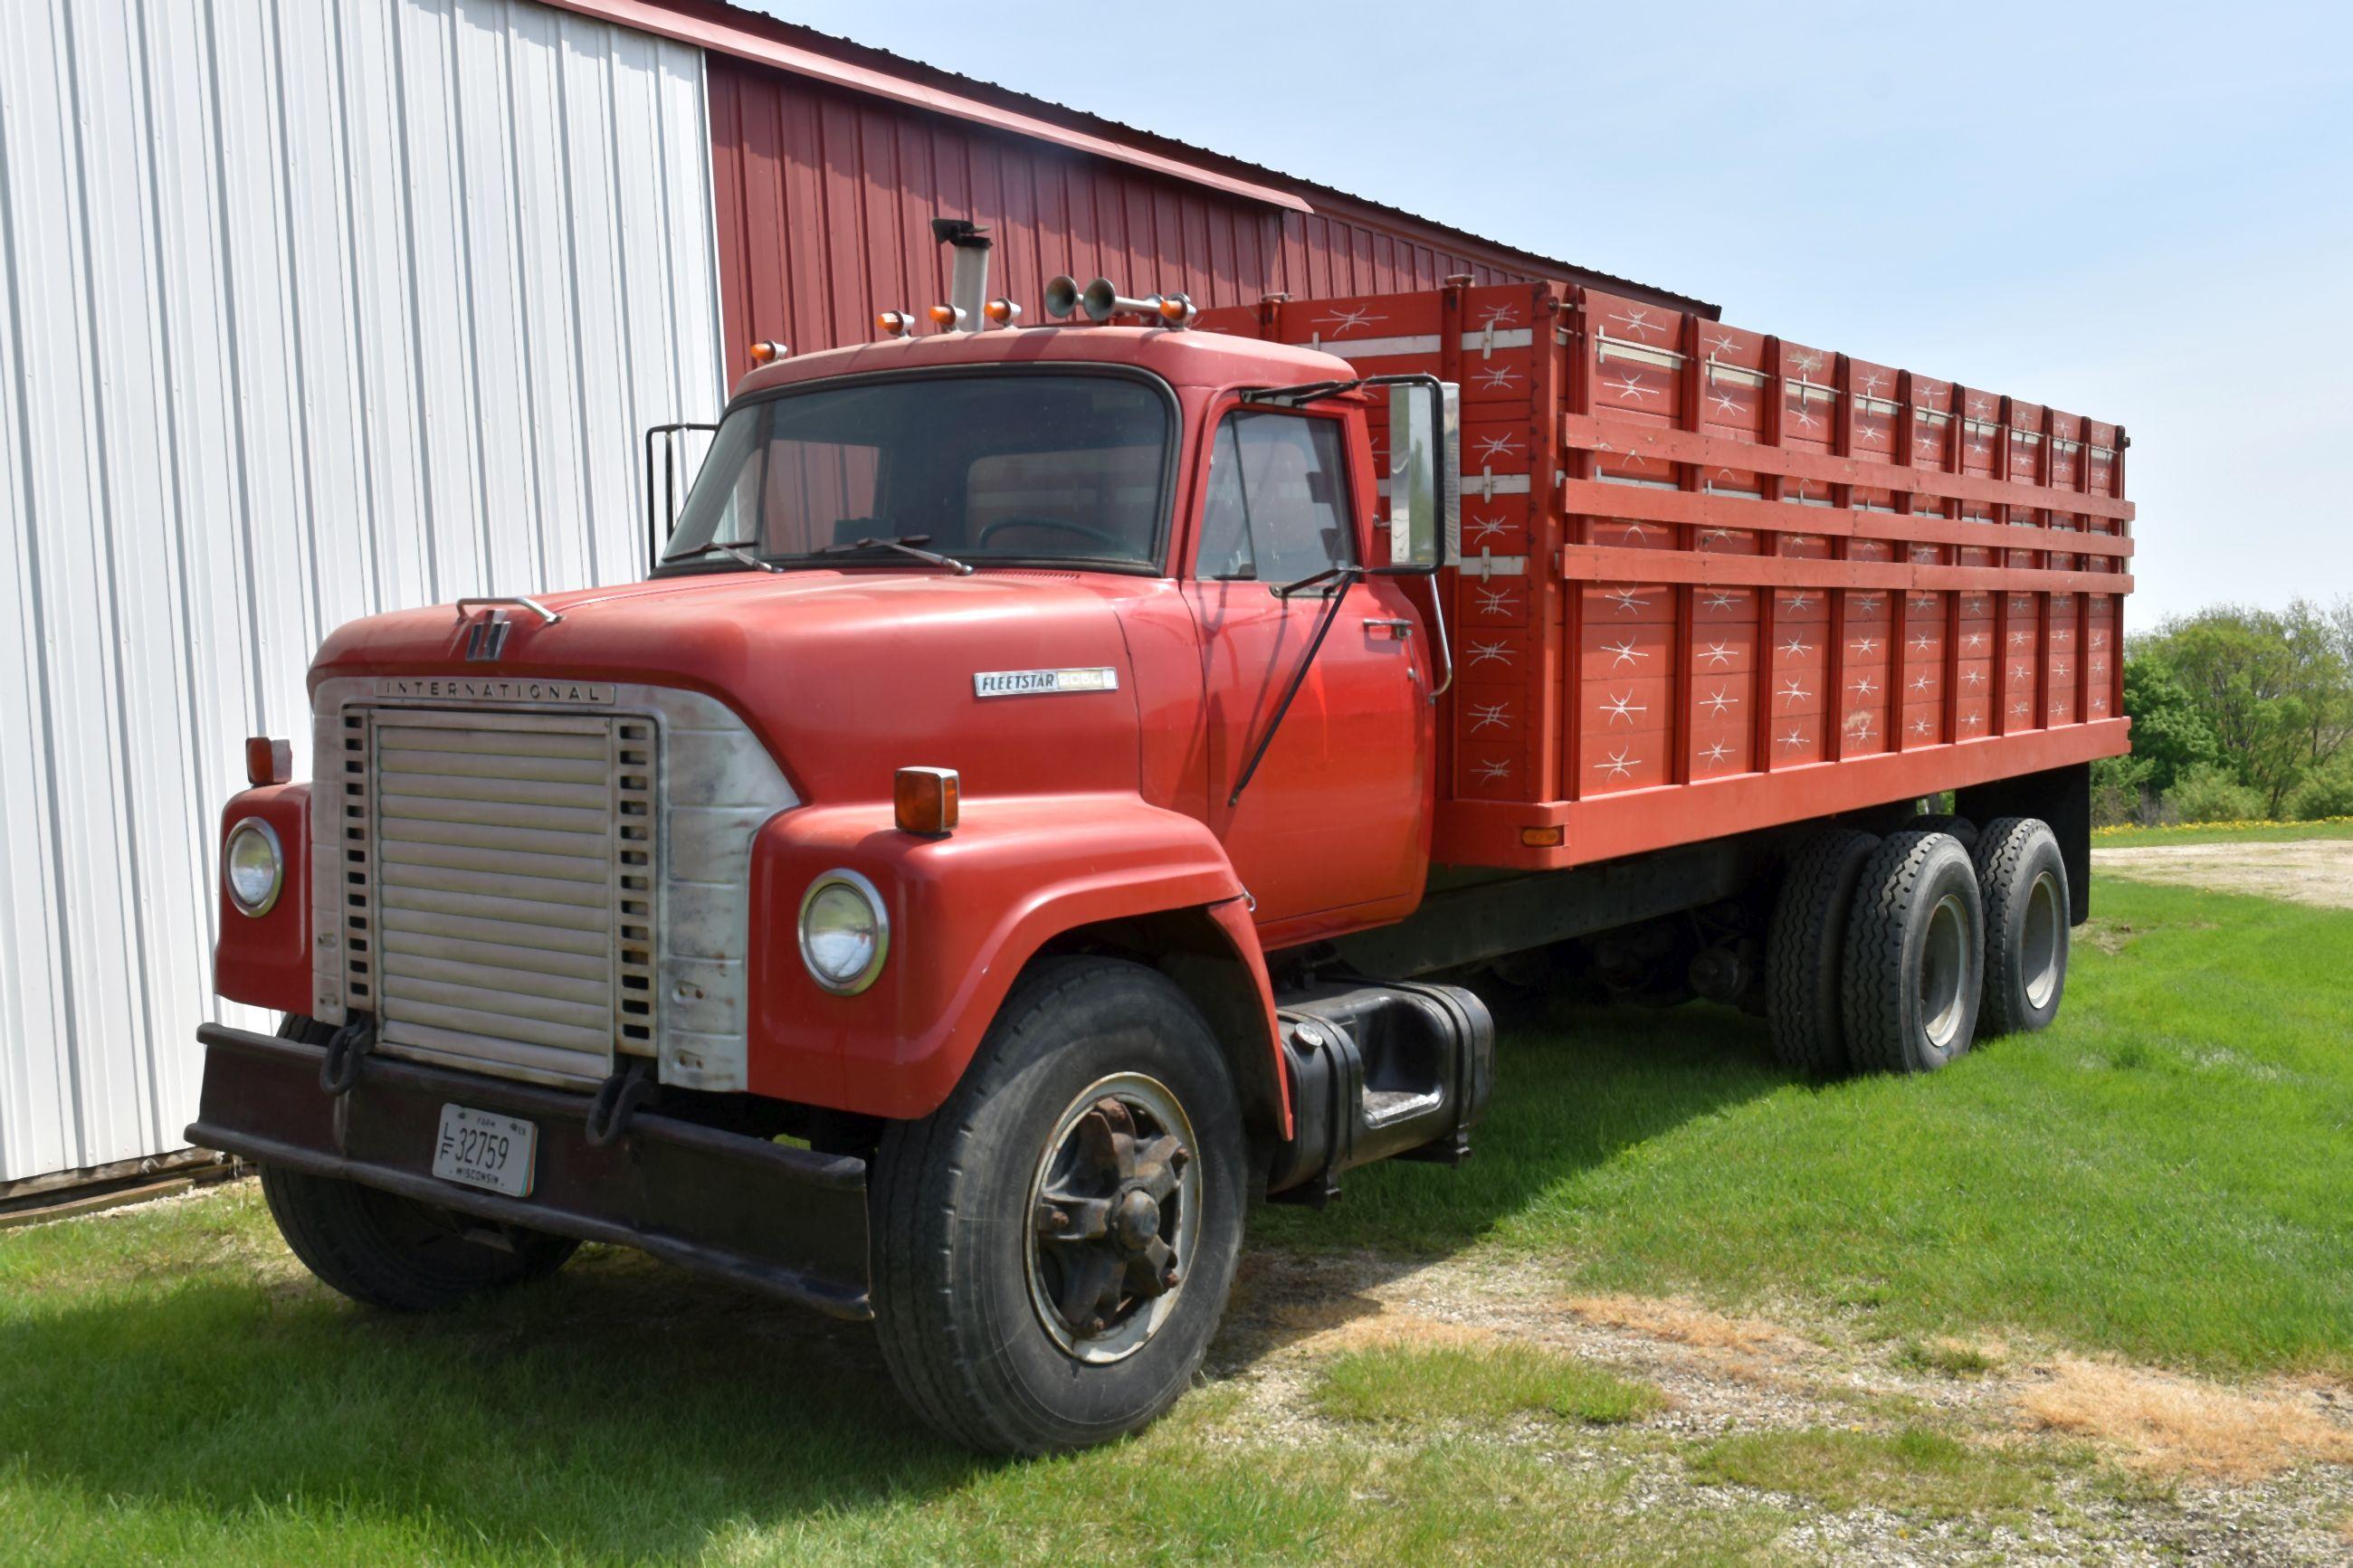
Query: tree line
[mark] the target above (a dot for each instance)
(2238, 714)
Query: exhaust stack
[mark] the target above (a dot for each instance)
(968, 283)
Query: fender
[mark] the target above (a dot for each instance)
(967, 911)
(264, 960)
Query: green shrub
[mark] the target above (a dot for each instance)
(2120, 790)
(2326, 792)
(2208, 792)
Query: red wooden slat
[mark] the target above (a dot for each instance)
(1594, 498)
(1606, 434)
(1615, 563)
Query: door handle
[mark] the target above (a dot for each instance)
(1397, 631)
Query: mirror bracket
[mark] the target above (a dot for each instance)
(662, 510)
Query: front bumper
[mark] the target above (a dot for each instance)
(785, 1220)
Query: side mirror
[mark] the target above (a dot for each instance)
(1425, 473)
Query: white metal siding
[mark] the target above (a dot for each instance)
(307, 310)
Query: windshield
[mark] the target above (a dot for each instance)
(1004, 467)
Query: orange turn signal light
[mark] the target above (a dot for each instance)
(1001, 312)
(893, 323)
(926, 800)
(768, 352)
(947, 317)
(1543, 838)
(268, 762)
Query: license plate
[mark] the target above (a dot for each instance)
(482, 1149)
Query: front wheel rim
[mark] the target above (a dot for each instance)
(1114, 1214)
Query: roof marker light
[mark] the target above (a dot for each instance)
(768, 352)
(1177, 311)
(947, 317)
(1001, 312)
(894, 323)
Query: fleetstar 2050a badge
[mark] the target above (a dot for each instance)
(1040, 682)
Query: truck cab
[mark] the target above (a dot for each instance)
(999, 840)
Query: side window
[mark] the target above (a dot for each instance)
(1277, 507)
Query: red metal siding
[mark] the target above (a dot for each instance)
(825, 197)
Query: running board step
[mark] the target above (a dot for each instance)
(1379, 1072)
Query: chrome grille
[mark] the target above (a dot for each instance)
(689, 787)
(508, 913)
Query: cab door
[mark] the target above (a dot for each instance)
(1337, 816)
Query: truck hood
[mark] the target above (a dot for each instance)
(846, 675)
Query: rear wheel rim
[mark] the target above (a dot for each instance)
(1944, 964)
(1114, 1216)
(2038, 941)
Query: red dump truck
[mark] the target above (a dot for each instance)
(1058, 787)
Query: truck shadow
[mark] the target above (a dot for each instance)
(624, 1408)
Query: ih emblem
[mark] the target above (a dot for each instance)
(486, 639)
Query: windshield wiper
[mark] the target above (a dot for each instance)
(1289, 589)
(904, 544)
(737, 548)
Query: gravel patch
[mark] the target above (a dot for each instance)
(2311, 871)
(2131, 1482)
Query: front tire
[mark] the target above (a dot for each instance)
(1054, 1245)
(384, 1250)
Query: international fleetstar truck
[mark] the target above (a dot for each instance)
(1060, 785)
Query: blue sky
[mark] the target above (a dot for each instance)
(2142, 213)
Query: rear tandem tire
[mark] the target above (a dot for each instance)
(1805, 952)
(1914, 955)
(384, 1250)
(1960, 828)
(969, 1278)
(2022, 880)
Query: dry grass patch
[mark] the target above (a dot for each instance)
(2178, 1426)
(1683, 1322)
(1337, 1328)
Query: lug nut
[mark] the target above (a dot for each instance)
(1178, 1161)
(1059, 1220)
(1168, 1281)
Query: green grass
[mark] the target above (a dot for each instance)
(1489, 1383)
(1915, 1470)
(162, 1401)
(2220, 833)
(2161, 1173)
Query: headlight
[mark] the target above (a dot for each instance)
(844, 932)
(253, 866)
